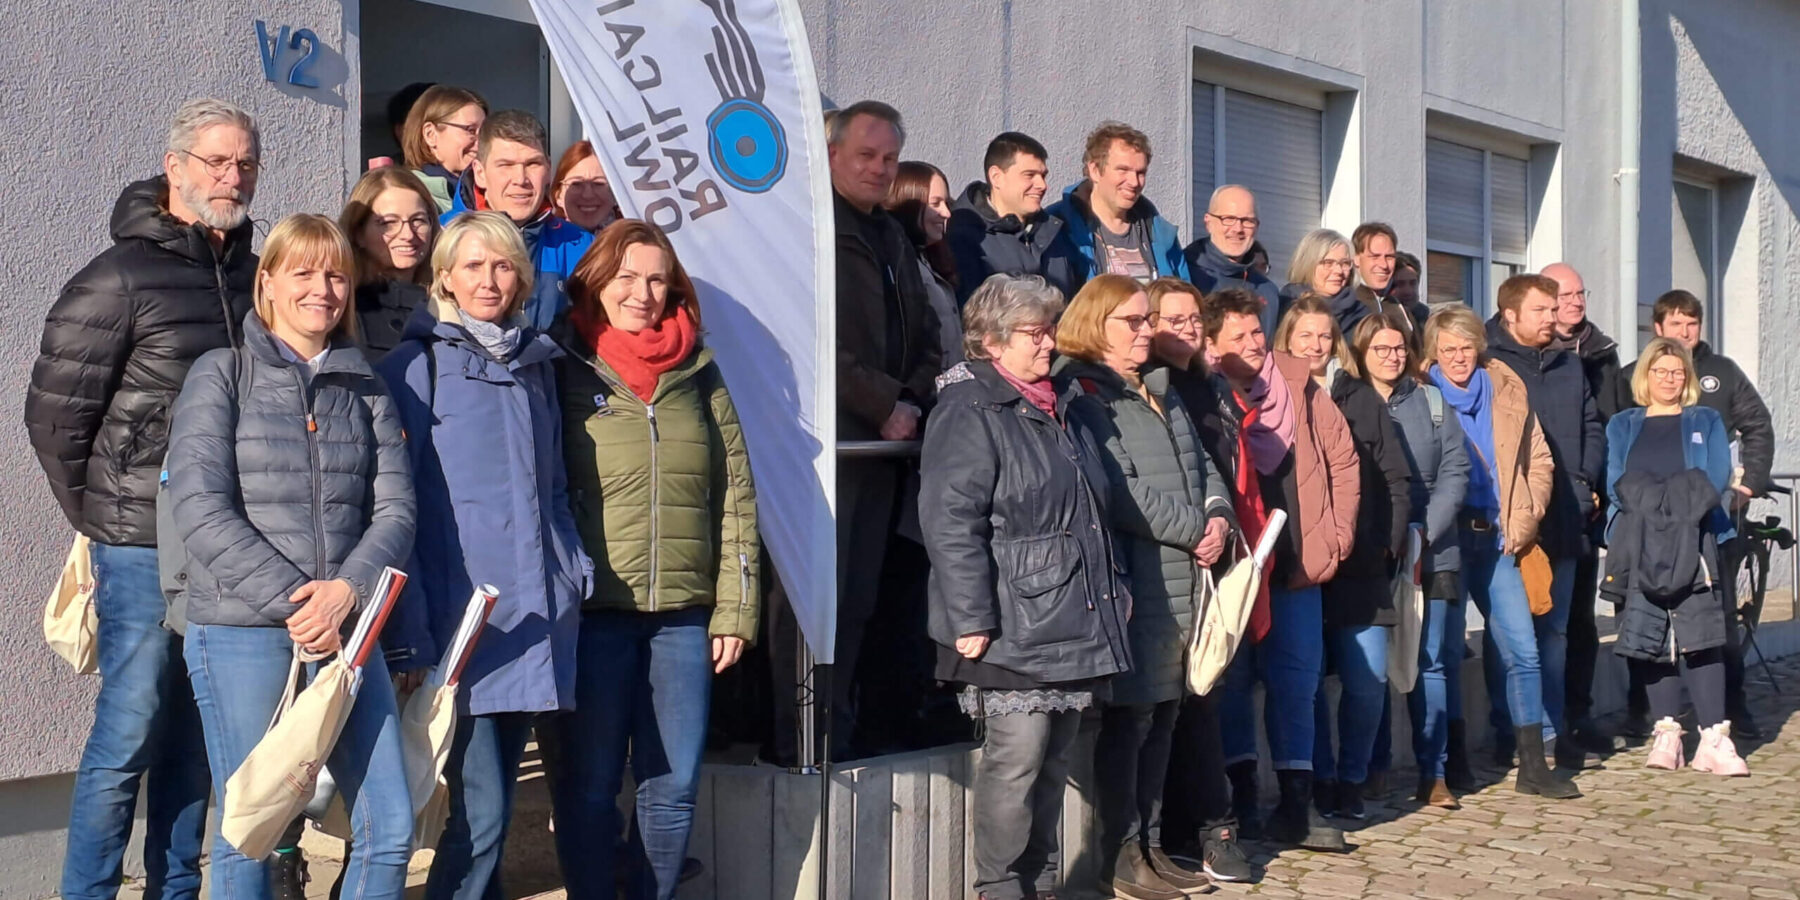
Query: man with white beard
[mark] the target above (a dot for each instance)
(117, 345)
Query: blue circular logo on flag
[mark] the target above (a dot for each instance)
(747, 145)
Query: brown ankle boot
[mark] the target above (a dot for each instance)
(1134, 878)
(1435, 792)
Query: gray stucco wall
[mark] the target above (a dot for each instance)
(88, 96)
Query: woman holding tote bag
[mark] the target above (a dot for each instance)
(291, 492)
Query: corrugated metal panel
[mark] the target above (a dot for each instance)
(1453, 193)
(1511, 217)
(1276, 150)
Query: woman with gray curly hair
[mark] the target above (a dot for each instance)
(1027, 606)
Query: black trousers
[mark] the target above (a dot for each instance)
(1197, 797)
(1131, 764)
(1731, 553)
(1584, 642)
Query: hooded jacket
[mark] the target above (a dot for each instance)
(1437, 454)
(1158, 234)
(661, 490)
(555, 245)
(1165, 492)
(296, 479)
(1553, 379)
(1359, 593)
(116, 347)
(1319, 484)
(1014, 512)
(1211, 270)
(888, 346)
(1726, 390)
(486, 445)
(985, 243)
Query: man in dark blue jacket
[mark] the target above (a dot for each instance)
(1519, 336)
(999, 225)
(1112, 226)
(1226, 257)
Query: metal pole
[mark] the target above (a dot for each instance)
(804, 703)
(822, 677)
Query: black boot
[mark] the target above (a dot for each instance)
(288, 876)
(1296, 822)
(1457, 773)
(1569, 754)
(1535, 774)
(1244, 800)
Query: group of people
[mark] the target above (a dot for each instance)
(503, 386)
(479, 373)
(1109, 419)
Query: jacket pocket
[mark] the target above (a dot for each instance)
(1040, 579)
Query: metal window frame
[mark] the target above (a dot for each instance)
(1712, 328)
(1481, 286)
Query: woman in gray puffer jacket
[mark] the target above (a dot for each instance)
(291, 491)
(1438, 456)
(1170, 514)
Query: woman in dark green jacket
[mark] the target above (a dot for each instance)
(659, 480)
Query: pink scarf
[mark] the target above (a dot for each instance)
(1271, 433)
(1039, 393)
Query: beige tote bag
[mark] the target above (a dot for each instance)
(277, 779)
(1223, 614)
(1409, 602)
(70, 623)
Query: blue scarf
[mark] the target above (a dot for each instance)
(1474, 407)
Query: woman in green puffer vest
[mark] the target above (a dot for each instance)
(660, 484)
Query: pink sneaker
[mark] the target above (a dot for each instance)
(1665, 751)
(1717, 754)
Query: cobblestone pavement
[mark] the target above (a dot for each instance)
(1637, 833)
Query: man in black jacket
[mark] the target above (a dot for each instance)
(1599, 357)
(1519, 336)
(1677, 315)
(1224, 258)
(117, 345)
(999, 225)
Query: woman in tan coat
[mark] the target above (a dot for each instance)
(1509, 491)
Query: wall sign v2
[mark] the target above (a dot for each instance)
(273, 49)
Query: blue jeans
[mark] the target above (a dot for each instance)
(145, 723)
(1434, 699)
(1515, 684)
(481, 771)
(238, 675)
(1551, 634)
(1359, 653)
(1288, 661)
(643, 683)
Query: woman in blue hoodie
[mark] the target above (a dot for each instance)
(477, 394)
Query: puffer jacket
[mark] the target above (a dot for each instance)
(1014, 513)
(1360, 592)
(1319, 484)
(486, 445)
(661, 491)
(1524, 471)
(292, 481)
(1165, 491)
(117, 345)
(554, 244)
(1437, 454)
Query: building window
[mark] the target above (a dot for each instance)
(1693, 255)
(1477, 222)
(1272, 147)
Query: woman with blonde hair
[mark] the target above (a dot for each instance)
(1668, 465)
(1510, 477)
(1171, 514)
(392, 223)
(291, 492)
(439, 138)
(1324, 264)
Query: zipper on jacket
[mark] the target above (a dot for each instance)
(318, 489)
(655, 482)
(231, 328)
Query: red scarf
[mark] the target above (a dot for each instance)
(1040, 393)
(640, 359)
(1253, 517)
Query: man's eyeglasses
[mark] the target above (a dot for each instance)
(217, 166)
(470, 130)
(1135, 323)
(1570, 295)
(1248, 222)
(391, 225)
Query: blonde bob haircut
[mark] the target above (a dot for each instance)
(1313, 249)
(1082, 332)
(1459, 320)
(312, 241)
(1657, 349)
(1311, 304)
(499, 235)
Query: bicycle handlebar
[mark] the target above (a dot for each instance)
(1778, 489)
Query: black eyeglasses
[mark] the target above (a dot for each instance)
(1136, 323)
(470, 130)
(1388, 352)
(1249, 222)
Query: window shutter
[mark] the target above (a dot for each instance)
(1276, 150)
(1204, 127)
(1510, 214)
(1453, 195)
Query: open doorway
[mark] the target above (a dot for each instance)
(492, 47)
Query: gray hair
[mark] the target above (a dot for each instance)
(1314, 247)
(838, 121)
(1004, 303)
(202, 113)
